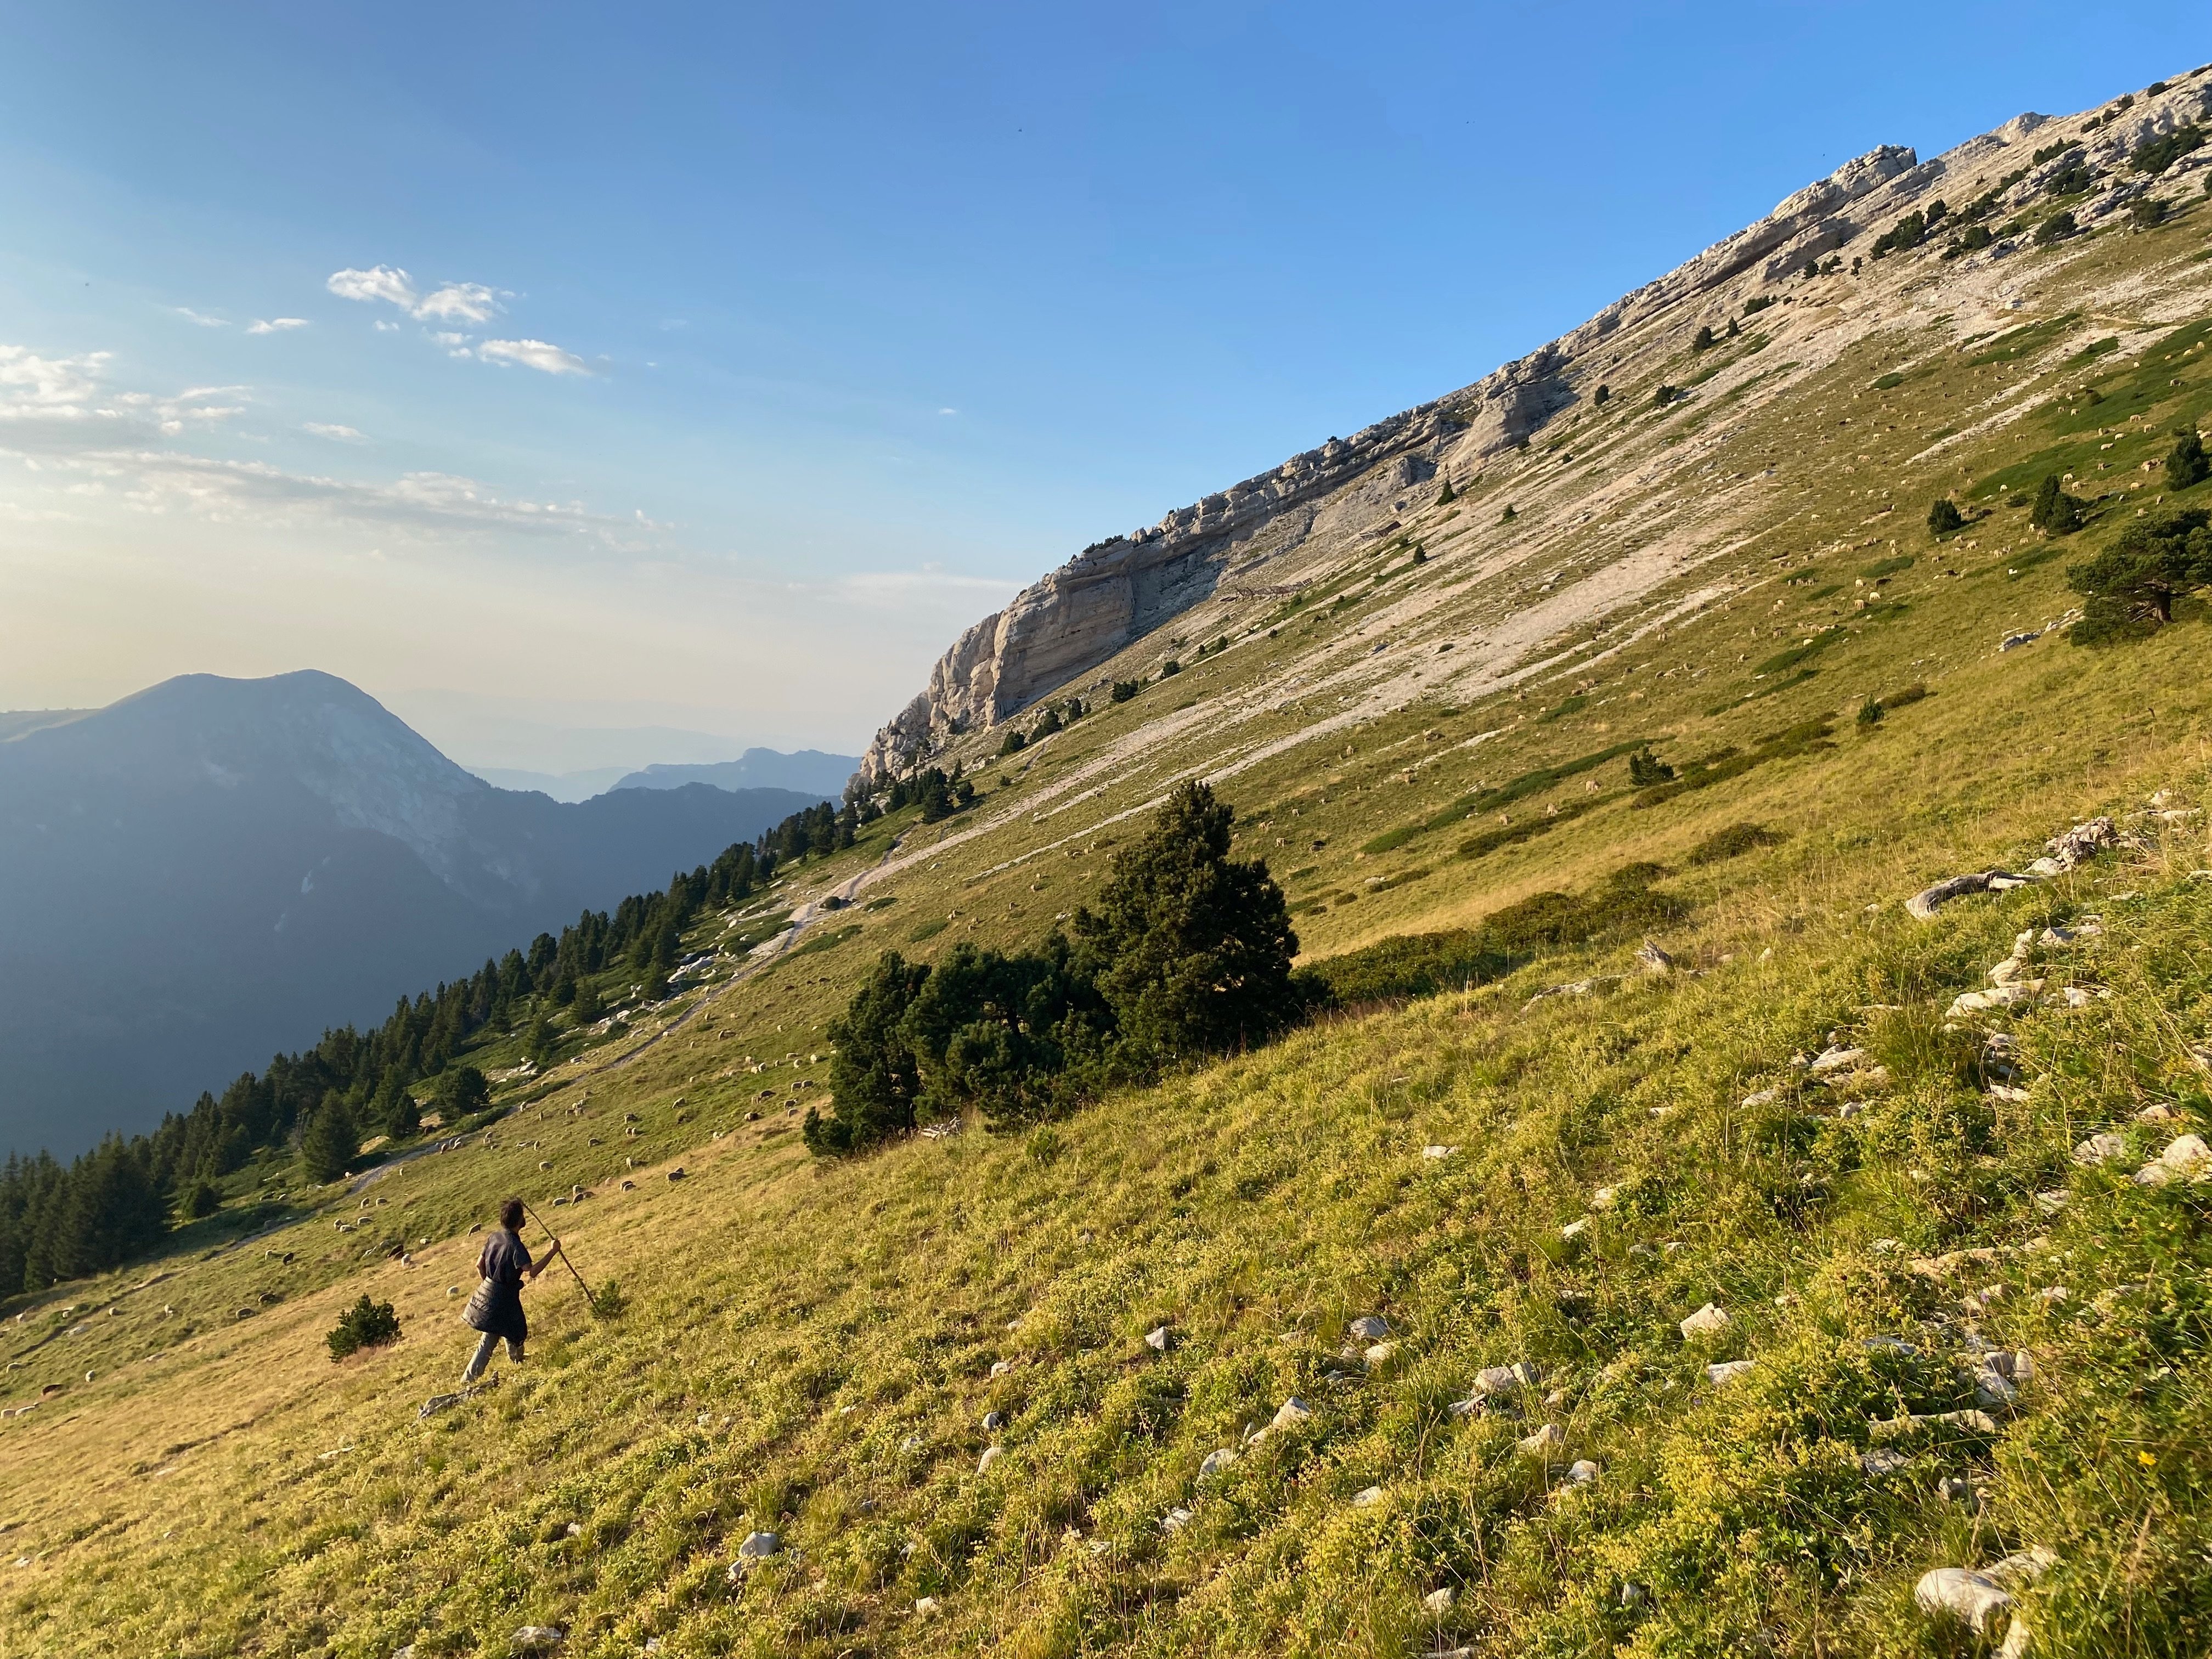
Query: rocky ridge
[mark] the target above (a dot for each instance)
(1281, 530)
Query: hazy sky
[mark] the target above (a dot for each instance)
(711, 367)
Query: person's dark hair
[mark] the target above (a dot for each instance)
(510, 1215)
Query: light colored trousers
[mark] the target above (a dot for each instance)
(483, 1353)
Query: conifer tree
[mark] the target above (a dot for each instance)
(1195, 947)
(332, 1142)
(2185, 463)
(2055, 512)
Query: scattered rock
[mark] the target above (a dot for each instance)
(1604, 1198)
(1174, 1520)
(1838, 1059)
(1001, 1367)
(1728, 1370)
(535, 1639)
(1437, 1600)
(1929, 900)
(1961, 1593)
(1542, 1444)
(2186, 1158)
(2076, 847)
(1293, 1412)
(1216, 1461)
(994, 1421)
(925, 1606)
(1438, 1153)
(1378, 1358)
(1368, 1498)
(1708, 1321)
(2100, 1148)
(1574, 1230)
(1884, 1459)
(1957, 1489)
(1156, 1340)
(438, 1403)
(1583, 1472)
(1653, 960)
(1369, 1327)
(758, 1546)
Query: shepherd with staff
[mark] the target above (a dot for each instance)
(496, 1310)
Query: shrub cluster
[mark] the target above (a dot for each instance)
(1188, 954)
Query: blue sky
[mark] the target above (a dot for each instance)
(744, 356)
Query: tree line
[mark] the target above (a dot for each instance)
(114, 1203)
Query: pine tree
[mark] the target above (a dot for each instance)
(875, 1075)
(2185, 463)
(1195, 947)
(1703, 342)
(1444, 496)
(331, 1143)
(1944, 517)
(2056, 511)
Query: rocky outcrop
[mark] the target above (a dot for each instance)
(1117, 591)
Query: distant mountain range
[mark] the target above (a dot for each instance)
(810, 771)
(214, 869)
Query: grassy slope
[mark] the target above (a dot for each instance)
(217, 1486)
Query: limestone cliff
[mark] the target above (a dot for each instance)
(1349, 493)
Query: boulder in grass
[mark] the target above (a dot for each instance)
(1542, 1444)
(1728, 1370)
(1158, 1339)
(1216, 1461)
(2186, 1158)
(1582, 1473)
(991, 1454)
(1369, 1327)
(759, 1546)
(535, 1639)
(1293, 1412)
(1368, 1498)
(1438, 1601)
(1962, 1594)
(1708, 1321)
(2100, 1148)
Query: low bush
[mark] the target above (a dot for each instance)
(365, 1325)
(1733, 841)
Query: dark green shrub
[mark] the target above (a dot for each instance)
(1757, 303)
(2138, 576)
(2146, 212)
(1012, 743)
(200, 1201)
(2185, 463)
(1444, 496)
(1508, 515)
(1944, 517)
(1170, 669)
(2056, 228)
(1733, 842)
(2074, 180)
(365, 1325)
(2155, 155)
(2055, 512)
(1602, 396)
(1703, 341)
(1646, 769)
(1906, 234)
(1125, 690)
(1869, 715)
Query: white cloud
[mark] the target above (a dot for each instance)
(58, 415)
(948, 411)
(202, 319)
(533, 353)
(460, 302)
(377, 283)
(932, 583)
(384, 327)
(329, 429)
(277, 325)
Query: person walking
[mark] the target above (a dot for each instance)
(495, 1311)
